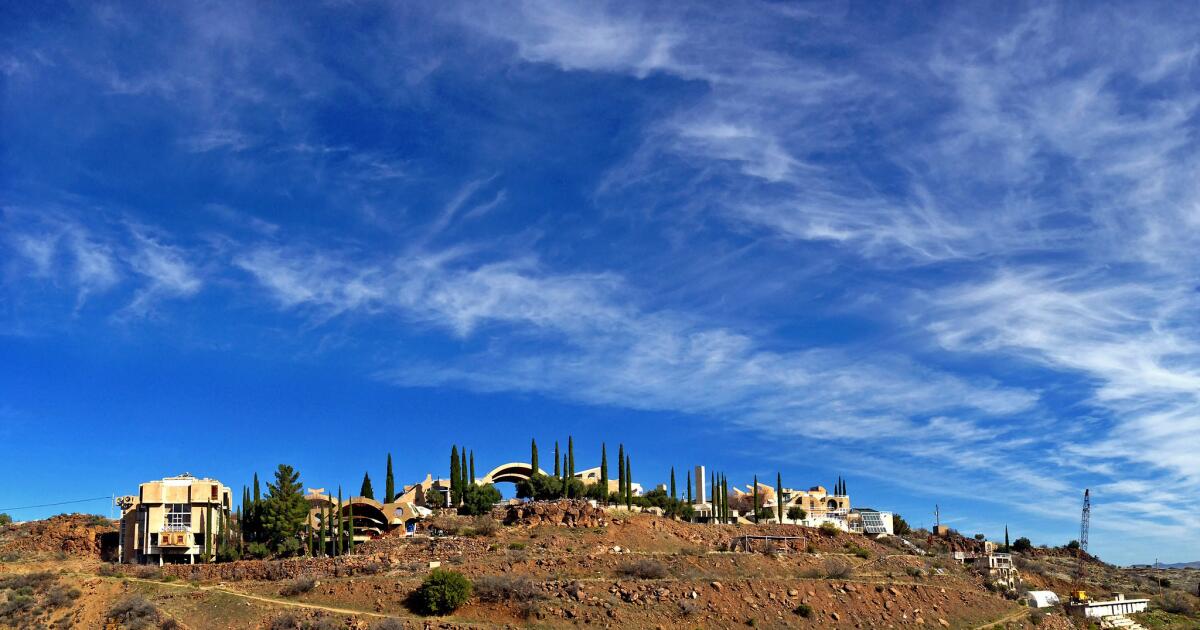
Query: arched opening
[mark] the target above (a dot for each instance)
(369, 519)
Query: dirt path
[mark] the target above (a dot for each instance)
(1019, 614)
(295, 604)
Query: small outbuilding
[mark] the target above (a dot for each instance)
(1042, 599)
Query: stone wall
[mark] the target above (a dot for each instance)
(564, 513)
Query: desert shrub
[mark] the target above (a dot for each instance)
(1036, 617)
(134, 611)
(370, 568)
(529, 609)
(516, 546)
(1175, 602)
(828, 529)
(298, 586)
(110, 570)
(146, 572)
(27, 580)
(5, 519)
(285, 621)
(447, 525)
(804, 610)
(10, 557)
(442, 592)
(59, 596)
(169, 624)
(323, 623)
(688, 607)
(644, 569)
(811, 548)
(860, 552)
(811, 573)
(484, 525)
(390, 624)
(500, 588)
(838, 568)
(1164, 582)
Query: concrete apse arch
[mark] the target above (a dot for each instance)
(511, 472)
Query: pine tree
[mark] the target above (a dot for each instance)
(557, 471)
(689, 487)
(389, 487)
(366, 490)
(533, 457)
(455, 491)
(284, 511)
(472, 482)
(570, 457)
(779, 495)
(672, 483)
(604, 470)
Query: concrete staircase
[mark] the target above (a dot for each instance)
(1119, 622)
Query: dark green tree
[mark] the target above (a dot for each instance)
(455, 490)
(570, 456)
(204, 532)
(557, 463)
(350, 529)
(621, 471)
(463, 471)
(366, 490)
(533, 457)
(628, 484)
(689, 487)
(389, 484)
(479, 499)
(754, 500)
(604, 471)
(1005, 538)
(340, 531)
(284, 512)
(779, 495)
(472, 481)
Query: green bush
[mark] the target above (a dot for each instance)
(1022, 544)
(796, 513)
(134, 611)
(478, 500)
(442, 592)
(516, 546)
(257, 550)
(829, 529)
(5, 519)
(804, 610)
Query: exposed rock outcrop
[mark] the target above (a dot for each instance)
(565, 513)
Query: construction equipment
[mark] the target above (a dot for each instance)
(1078, 595)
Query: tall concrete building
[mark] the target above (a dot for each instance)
(169, 520)
(699, 497)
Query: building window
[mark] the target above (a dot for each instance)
(214, 492)
(153, 539)
(178, 517)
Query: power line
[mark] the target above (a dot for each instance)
(27, 507)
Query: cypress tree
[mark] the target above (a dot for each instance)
(351, 533)
(463, 471)
(341, 526)
(454, 475)
(689, 487)
(389, 487)
(712, 486)
(533, 457)
(604, 470)
(570, 457)
(239, 527)
(724, 498)
(621, 470)
(557, 471)
(628, 484)
(672, 483)
(472, 467)
(779, 495)
(204, 534)
(328, 523)
(1006, 539)
(366, 490)
(754, 500)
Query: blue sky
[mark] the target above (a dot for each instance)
(945, 251)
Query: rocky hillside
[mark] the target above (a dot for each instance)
(72, 534)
